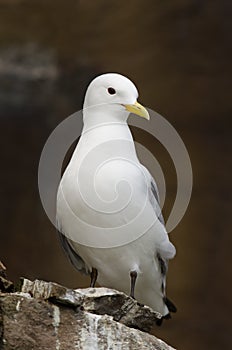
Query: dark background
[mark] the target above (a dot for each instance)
(177, 53)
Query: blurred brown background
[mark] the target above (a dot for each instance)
(177, 53)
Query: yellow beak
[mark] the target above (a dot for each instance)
(138, 109)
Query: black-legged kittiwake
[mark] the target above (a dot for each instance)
(108, 210)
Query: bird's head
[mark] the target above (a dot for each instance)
(115, 95)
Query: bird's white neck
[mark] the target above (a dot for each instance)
(95, 116)
(102, 128)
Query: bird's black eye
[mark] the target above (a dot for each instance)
(111, 91)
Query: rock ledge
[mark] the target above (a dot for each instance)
(45, 315)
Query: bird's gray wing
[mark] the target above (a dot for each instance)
(155, 193)
(161, 260)
(74, 258)
(166, 249)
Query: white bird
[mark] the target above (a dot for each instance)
(108, 210)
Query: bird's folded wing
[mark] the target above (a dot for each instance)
(74, 258)
(155, 193)
(166, 249)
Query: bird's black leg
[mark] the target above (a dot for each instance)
(93, 276)
(133, 275)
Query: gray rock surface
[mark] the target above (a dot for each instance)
(45, 315)
(99, 301)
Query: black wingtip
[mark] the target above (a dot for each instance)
(171, 307)
(160, 321)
